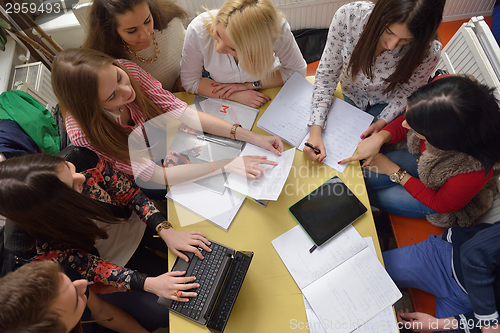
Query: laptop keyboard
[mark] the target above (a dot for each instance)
(205, 271)
(242, 263)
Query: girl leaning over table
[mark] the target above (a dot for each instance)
(245, 46)
(147, 32)
(119, 98)
(449, 171)
(380, 53)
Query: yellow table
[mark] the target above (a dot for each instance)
(269, 300)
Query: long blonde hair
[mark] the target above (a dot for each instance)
(253, 26)
(75, 83)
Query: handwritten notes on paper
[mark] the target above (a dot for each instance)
(342, 280)
(288, 114)
(268, 185)
(344, 126)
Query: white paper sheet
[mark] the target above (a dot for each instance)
(342, 280)
(293, 249)
(352, 293)
(267, 186)
(288, 114)
(216, 208)
(344, 126)
(384, 322)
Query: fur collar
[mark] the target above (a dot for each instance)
(436, 166)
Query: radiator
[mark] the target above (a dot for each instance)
(318, 14)
(473, 50)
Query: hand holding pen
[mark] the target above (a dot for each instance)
(314, 147)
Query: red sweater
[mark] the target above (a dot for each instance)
(454, 194)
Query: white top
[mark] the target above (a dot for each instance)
(199, 51)
(346, 28)
(166, 68)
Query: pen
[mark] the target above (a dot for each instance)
(316, 150)
(312, 249)
(206, 138)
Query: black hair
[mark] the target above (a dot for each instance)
(460, 114)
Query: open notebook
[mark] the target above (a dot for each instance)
(288, 114)
(343, 280)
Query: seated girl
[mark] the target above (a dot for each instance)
(119, 97)
(449, 171)
(245, 46)
(38, 297)
(48, 218)
(147, 32)
(380, 53)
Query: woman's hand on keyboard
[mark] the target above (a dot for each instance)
(166, 284)
(188, 241)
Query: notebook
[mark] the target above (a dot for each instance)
(220, 275)
(327, 210)
(289, 112)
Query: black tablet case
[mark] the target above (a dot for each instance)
(327, 210)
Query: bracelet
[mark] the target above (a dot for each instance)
(163, 225)
(403, 174)
(212, 165)
(232, 133)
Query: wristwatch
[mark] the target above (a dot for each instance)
(163, 225)
(232, 132)
(397, 176)
(257, 85)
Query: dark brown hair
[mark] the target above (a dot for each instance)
(35, 199)
(75, 83)
(422, 18)
(26, 297)
(458, 114)
(103, 36)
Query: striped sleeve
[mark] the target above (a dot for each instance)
(143, 170)
(153, 90)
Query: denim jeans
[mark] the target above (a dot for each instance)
(392, 197)
(374, 110)
(427, 266)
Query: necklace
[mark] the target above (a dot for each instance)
(141, 58)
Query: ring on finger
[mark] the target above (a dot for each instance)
(177, 293)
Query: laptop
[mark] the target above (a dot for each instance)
(220, 275)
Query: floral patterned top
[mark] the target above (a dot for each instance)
(89, 266)
(345, 30)
(108, 185)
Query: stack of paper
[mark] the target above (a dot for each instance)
(343, 280)
(220, 209)
(288, 114)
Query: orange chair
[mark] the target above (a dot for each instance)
(409, 231)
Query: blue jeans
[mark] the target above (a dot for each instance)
(427, 266)
(392, 197)
(374, 110)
